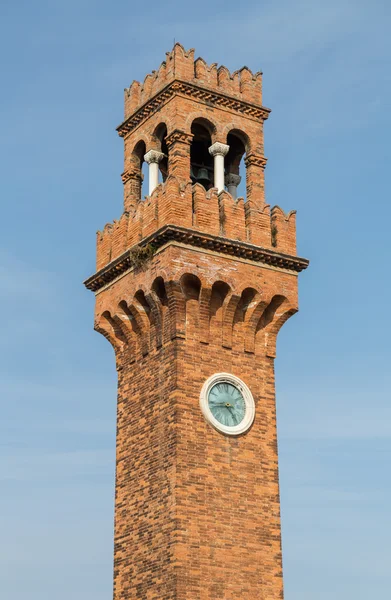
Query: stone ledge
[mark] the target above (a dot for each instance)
(190, 237)
(204, 94)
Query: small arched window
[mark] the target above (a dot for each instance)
(160, 136)
(137, 160)
(235, 171)
(201, 162)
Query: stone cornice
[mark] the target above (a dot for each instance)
(191, 237)
(257, 160)
(131, 174)
(202, 94)
(179, 136)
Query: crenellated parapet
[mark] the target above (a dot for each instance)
(180, 65)
(283, 230)
(194, 208)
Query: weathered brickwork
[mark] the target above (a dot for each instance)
(197, 513)
(196, 208)
(176, 96)
(180, 65)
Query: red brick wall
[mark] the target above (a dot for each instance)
(227, 495)
(197, 512)
(145, 514)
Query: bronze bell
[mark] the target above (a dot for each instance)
(203, 176)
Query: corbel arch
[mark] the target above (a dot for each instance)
(191, 289)
(111, 327)
(159, 293)
(248, 299)
(273, 318)
(106, 325)
(138, 322)
(220, 293)
(177, 308)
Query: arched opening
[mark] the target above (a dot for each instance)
(241, 189)
(160, 136)
(235, 171)
(138, 162)
(201, 162)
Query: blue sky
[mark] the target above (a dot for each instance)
(327, 79)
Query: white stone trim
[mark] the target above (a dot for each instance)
(248, 399)
(218, 151)
(153, 158)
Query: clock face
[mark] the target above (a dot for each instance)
(227, 404)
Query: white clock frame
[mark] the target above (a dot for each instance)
(249, 415)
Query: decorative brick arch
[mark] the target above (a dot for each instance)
(205, 121)
(237, 130)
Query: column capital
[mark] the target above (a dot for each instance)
(153, 156)
(179, 136)
(232, 179)
(218, 149)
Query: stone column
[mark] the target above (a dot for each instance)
(218, 151)
(153, 158)
(232, 181)
(178, 143)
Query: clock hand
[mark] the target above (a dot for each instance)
(233, 414)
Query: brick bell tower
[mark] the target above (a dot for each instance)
(192, 286)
